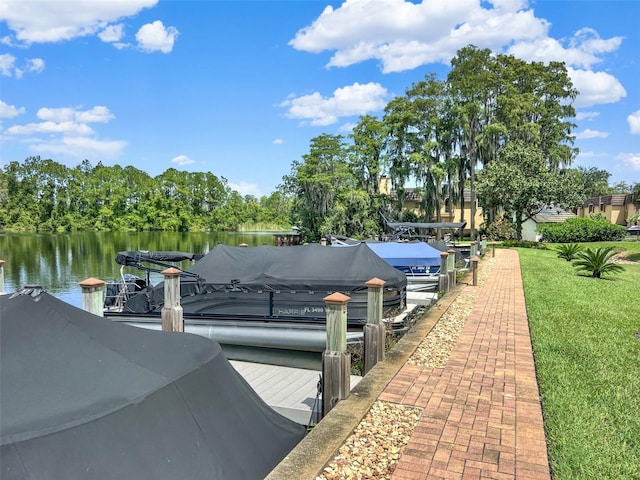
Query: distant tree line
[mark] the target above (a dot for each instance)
(497, 126)
(42, 195)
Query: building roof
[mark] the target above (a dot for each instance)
(553, 215)
(617, 199)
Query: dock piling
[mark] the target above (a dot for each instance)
(93, 296)
(1, 277)
(374, 330)
(474, 269)
(172, 314)
(451, 267)
(336, 362)
(444, 276)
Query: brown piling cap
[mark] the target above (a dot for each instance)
(336, 298)
(375, 282)
(171, 272)
(91, 282)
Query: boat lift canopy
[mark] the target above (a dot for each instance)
(433, 225)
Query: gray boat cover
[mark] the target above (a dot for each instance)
(279, 282)
(301, 267)
(86, 398)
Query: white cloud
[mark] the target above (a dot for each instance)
(245, 188)
(65, 131)
(596, 87)
(50, 127)
(403, 35)
(182, 160)
(112, 33)
(35, 65)
(631, 160)
(348, 127)
(356, 99)
(7, 40)
(634, 122)
(278, 141)
(10, 111)
(37, 21)
(586, 115)
(583, 50)
(588, 133)
(56, 114)
(80, 147)
(591, 154)
(98, 114)
(8, 67)
(154, 37)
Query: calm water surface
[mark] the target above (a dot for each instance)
(58, 262)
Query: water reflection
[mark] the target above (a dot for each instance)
(58, 262)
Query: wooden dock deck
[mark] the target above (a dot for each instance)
(290, 391)
(293, 392)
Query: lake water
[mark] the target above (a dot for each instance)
(58, 262)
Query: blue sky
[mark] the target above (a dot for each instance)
(239, 88)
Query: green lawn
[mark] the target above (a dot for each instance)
(586, 340)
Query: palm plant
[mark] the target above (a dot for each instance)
(568, 251)
(597, 262)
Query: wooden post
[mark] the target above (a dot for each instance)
(374, 330)
(493, 249)
(444, 276)
(451, 267)
(336, 362)
(474, 269)
(93, 296)
(1, 277)
(172, 314)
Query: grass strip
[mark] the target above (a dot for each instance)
(585, 335)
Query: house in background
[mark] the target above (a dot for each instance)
(546, 215)
(616, 208)
(450, 211)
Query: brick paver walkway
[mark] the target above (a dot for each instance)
(482, 416)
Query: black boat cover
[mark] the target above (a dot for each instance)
(301, 267)
(86, 398)
(137, 256)
(280, 282)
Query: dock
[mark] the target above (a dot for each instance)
(292, 392)
(421, 298)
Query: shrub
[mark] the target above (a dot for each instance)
(581, 230)
(524, 244)
(597, 262)
(501, 229)
(568, 251)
